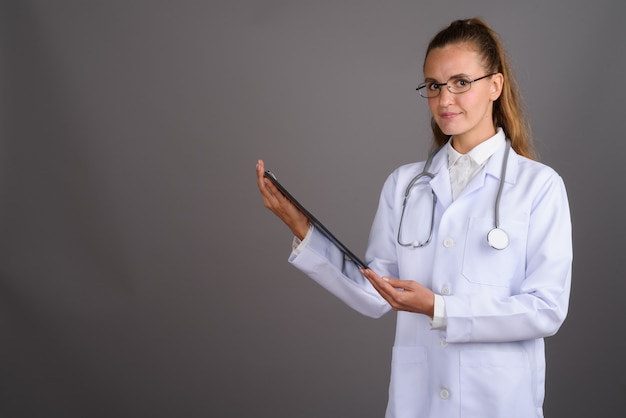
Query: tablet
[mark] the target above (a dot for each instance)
(349, 254)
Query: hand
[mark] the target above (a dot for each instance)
(403, 295)
(274, 200)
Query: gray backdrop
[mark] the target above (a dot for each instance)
(140, 274)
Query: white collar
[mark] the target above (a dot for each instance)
(481, 152)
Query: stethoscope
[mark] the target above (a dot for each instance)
(497, 237)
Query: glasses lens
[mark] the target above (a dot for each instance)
(459, 85)
(428, 90)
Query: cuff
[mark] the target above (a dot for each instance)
(439, 320)
(298, 244)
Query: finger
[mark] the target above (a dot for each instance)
(271, 196)
(260, 170)
(393, 296)
(274, 198)
(388, 288)
(381, 284)
(262, 182)
(393, 282)
(371, 274)
(397, 283)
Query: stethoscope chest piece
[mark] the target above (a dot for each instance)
(498, 239)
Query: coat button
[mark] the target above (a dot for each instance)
(444, 394)
(443, 343)
(445, 291)
(448, 242)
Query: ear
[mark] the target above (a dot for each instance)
(497, 81)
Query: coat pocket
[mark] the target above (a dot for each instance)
(409, 383)
(496, 384)
(485, 265)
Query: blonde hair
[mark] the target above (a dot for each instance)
(507, 109)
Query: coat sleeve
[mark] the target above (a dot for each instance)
(325, 264)
(538, 308)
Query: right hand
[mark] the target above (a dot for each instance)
(274, 200)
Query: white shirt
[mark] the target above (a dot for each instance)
(462, 168)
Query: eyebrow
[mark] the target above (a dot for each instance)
(454, 76)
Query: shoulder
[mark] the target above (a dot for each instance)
(539, 180)
(404, 173)
(534, 170)
(407, 170)
(396, 182)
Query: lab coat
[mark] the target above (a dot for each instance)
(489, 361)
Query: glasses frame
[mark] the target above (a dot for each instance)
(440, 85)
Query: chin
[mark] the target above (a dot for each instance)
(449, 130)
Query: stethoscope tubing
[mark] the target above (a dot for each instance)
(501, 186)
(424, 173)
(497, 237)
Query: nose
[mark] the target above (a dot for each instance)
(445, 97)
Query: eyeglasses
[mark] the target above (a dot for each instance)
(456, 85)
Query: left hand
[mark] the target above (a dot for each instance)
(403, 295)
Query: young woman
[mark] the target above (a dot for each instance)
(472, 248)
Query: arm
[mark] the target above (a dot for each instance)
(539, 306)
(317, 257)
(325, 264)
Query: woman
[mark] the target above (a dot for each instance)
(473, 305)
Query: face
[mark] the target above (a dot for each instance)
(466, 116)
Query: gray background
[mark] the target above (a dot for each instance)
(140, 274)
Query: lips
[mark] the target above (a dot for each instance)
(448, 115)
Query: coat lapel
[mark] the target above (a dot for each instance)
(493, 168)
(441, 182)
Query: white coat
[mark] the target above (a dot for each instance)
(500, 304)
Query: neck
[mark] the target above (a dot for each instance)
(464, 143)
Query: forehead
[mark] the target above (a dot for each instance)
(450, 60)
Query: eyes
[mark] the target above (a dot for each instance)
(455, 83)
